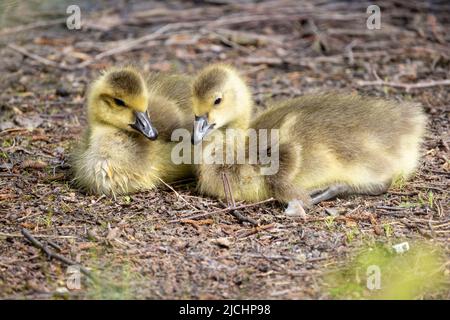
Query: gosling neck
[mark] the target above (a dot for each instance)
(239, 125)
(245, 106)
(243, 123)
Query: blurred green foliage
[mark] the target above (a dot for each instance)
(413, 274)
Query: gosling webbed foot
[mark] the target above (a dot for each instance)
(333, 191)
(316, 192)
(296, 207)
(330, 193)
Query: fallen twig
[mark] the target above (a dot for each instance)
(176, 193)
(256, 230)
(201, 215)
(18, 235)
(406, 86)
(34, 25)
(197, 223)
(413, 226)
(227, 41)
(391, 208)
(53, 255)
(130, 45)
(231, 203)
(37, 58)
(127, 46)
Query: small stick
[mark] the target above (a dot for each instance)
(127, 46)
(177, 194)
(412, 226)
(199, 222)
(53, 255)
(37, 58)
(232, 203)
(406, 86)
(17, 235)
(390, 208)
(256, 230)
(228, 42)
(221, 210)
(132, 44)
(33, 25)
(227, 190)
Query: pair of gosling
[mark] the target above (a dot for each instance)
(329, 145)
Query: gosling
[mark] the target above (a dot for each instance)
(329, 144)
(126, 110)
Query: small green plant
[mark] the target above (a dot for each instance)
(388, 231)
(329, 222)
(48, 218)
(7, 143)
(45, 219)
(351, 234)
(430, 199)
(399, 182)
(407, 204)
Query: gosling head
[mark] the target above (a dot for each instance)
(221, 99)
(119, 99)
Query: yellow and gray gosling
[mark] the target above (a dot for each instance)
(330, 144)
(120, 152)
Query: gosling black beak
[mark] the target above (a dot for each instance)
(201, 129)
(144, 125)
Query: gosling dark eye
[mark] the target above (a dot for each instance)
(217, 101)
(119, 102)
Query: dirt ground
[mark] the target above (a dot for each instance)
(139, 245)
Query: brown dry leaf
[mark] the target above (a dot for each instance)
(350, 223)
(34, 164)
(40, 137)
(256, 230)
(52, 42)
(99, 66)
(376, 227)
(201, 222)
(86, 245)
(181, 39)
(56, 177)
(7, 196)
(80, 55)
(28, 225)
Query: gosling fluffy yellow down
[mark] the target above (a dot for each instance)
(120, 152)
(329, 144)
